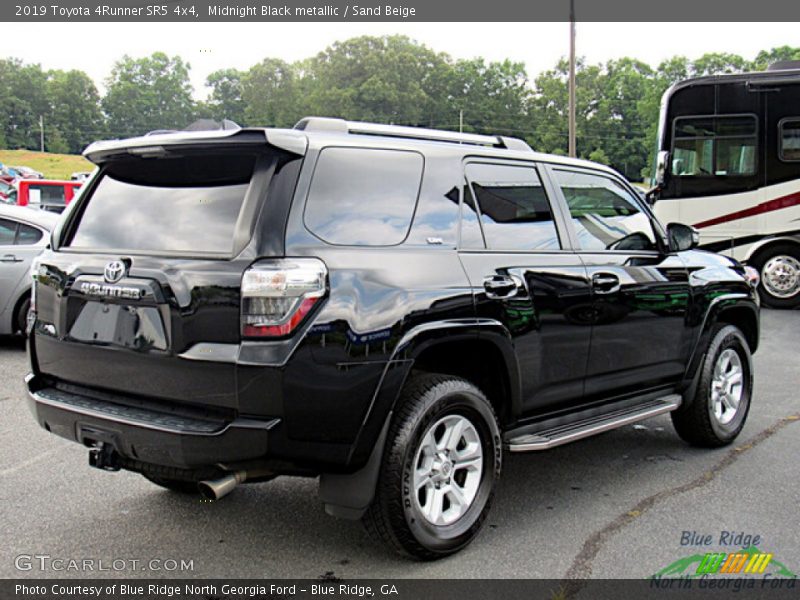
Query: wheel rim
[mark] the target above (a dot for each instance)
(447, 470)
(781, 276)
(727, 386)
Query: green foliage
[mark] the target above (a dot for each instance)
(75, 113)
(389, 79)
(145, 94)
(225, 100)
(270, 94)
(23, 99)
(56, 142)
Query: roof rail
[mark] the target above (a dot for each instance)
(417, 133)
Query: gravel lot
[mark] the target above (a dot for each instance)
(611, 506)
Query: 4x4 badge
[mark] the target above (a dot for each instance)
(114, 271)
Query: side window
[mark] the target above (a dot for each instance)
(789, 139)
(604, 213)
(714, 146)
(471, 235)
(8, 231)
(28, 235)
(363, 197)
(514, 210)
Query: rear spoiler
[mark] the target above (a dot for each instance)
(160, 144)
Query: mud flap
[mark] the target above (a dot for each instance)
(349, 496)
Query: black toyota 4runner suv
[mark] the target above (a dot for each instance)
(389, 309)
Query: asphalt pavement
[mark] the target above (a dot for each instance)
(614, 506)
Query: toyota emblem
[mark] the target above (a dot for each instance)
(114, 271)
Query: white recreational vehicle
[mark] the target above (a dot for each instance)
(729, 164)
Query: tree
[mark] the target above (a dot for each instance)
(494, 96)
(717, 63)
(386, 79)
(225, 100)
(23, 100)
(270, 94)
(148, 93)
(547, 115)
(75, 113)
(766, 57)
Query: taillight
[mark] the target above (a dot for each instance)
(278, 294)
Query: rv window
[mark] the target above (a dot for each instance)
(789, 140)
(714, 146)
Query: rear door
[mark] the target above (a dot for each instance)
(147, 274)
(12, 265)
(526, 277)
(640, 295)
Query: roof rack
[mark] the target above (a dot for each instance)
(417, 133)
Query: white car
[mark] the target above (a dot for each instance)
(24, 233)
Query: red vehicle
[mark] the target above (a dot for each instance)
(46, 194)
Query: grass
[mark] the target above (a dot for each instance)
(54, 166)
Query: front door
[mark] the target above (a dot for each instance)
(640, 293)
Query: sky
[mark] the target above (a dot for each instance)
(93, 47)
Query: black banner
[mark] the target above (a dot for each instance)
(400, 589)
(190, 11)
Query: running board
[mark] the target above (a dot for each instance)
(563, 434)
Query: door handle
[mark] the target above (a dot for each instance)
(10, 258)
(605, 283)
(501, 286)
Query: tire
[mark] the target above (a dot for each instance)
(174, 485)
(718, 411)
(779, 268)
(21, 316)
(431, 408)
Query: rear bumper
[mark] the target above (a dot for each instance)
(147, 435)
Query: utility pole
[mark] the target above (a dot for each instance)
(572, 150)
(461, 121)
(41, 131)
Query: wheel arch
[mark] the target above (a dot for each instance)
(439, 347)
(24, 294)
(736, 309)
(762, 246)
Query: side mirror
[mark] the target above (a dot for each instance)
(662, 160)
(682, 237)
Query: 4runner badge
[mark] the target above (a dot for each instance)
(114, 271)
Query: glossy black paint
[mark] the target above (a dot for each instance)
(556, 344)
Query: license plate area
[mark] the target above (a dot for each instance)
(138, 328)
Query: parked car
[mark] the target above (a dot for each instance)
(81, 176)
(50, 195)
(387, 308)
(6, 190)
(24, 233)
(28, 173)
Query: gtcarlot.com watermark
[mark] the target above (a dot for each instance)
(49, 563)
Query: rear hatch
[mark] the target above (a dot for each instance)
(147, 266)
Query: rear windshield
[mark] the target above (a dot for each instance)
(186, 204)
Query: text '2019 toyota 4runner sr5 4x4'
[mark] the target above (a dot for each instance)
(386, 308)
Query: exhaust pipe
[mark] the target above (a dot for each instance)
(219, 488)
